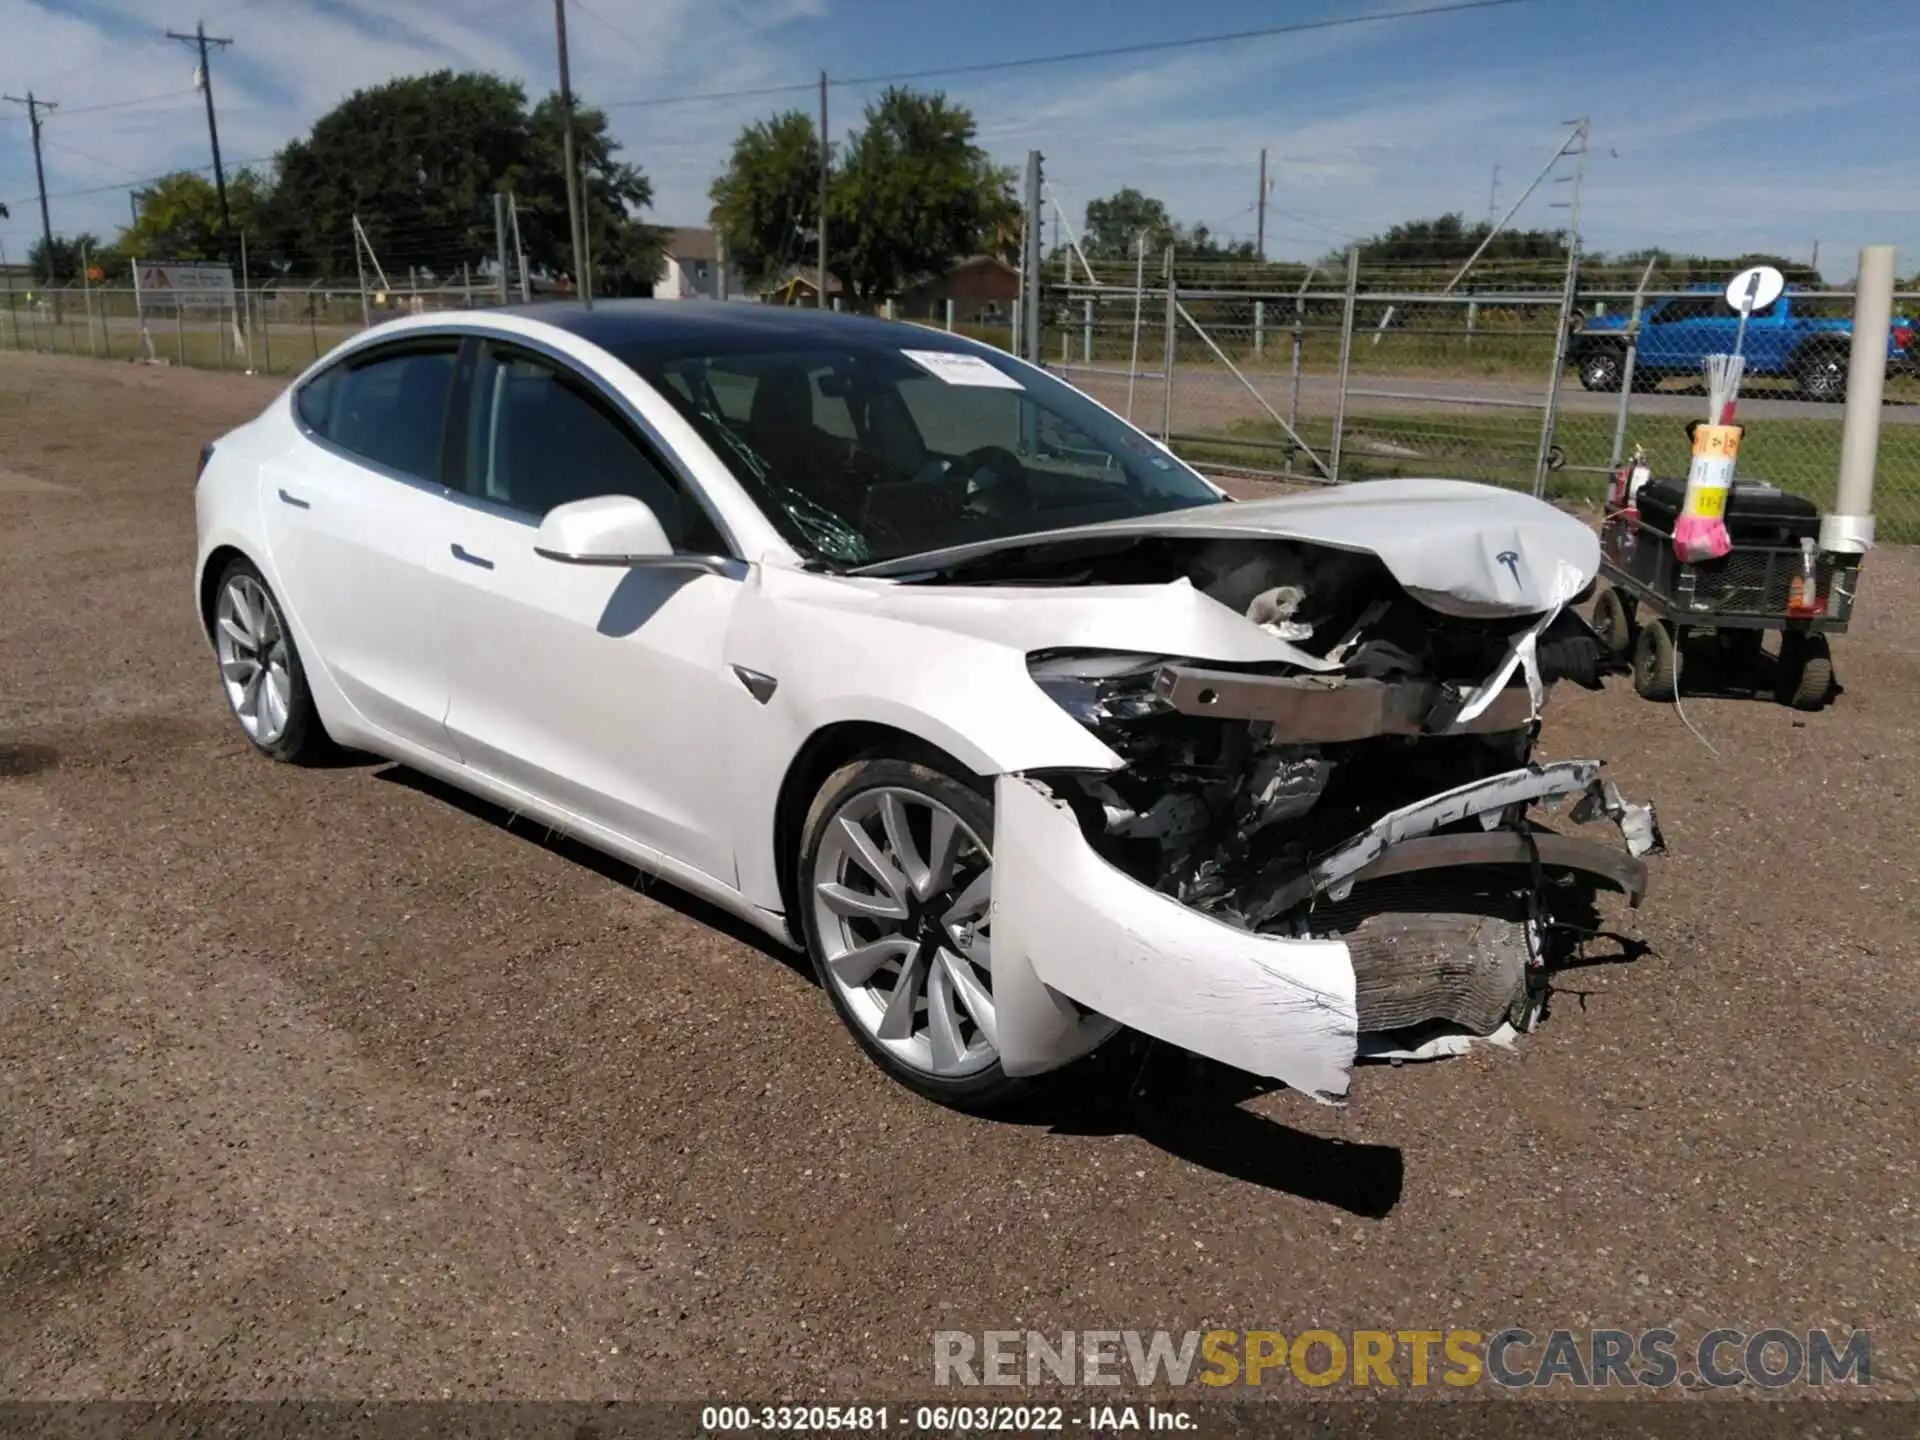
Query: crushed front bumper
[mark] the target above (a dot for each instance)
(1080, 948)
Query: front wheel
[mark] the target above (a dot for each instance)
(260, 668)
(1601, 370)
(896, 886)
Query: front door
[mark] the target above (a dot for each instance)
(592, 687)
(356, 519)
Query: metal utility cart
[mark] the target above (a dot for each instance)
(1652, 601)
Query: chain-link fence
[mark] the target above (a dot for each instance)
(1346, 373)
(1308, 373)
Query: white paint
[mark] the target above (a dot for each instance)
(958, 368)
(1276, 1007)
(1446, 541)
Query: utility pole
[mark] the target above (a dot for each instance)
(1260, 225)
(1493, 195)
(576, 202)
(200, 40)
(1816, 257)
(133, 207)
(34, 107)
(826, 158)
(1030, 262)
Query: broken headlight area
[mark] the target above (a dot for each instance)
(1390, 804)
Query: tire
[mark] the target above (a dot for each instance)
(1601, 370)
(247, 624)
(1656, 662)
(1613, 624)
(1805, 676)
(1822, 374)
(936, 1046)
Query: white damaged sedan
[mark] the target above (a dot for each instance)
(917, 658)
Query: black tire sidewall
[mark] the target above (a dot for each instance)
(991, 1086)
(304, 737)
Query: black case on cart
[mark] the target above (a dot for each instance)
(1757, 515)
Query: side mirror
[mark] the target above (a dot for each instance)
(605, 530)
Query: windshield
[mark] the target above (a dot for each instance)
(861, 452)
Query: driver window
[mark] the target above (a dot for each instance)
(539, 436)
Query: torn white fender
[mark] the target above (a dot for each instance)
(1568, 580)
(1068, 924)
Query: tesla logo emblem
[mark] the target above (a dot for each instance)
(1510, 559)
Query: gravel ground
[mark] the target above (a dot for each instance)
(332, 1083)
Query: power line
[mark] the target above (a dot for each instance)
(1067, 57)
(127, 104)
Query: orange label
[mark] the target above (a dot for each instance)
(1717, 441)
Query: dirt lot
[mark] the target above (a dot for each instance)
(328, 1082)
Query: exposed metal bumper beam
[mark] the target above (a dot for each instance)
(1509, 847)
(1316, 709)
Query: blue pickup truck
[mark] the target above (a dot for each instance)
(1677, 334)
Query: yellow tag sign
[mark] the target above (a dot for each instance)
(1710, 504)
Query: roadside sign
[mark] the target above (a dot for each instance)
(1755, 289)
(183, 286)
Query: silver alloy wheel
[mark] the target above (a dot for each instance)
(251, 641)
(902, 888)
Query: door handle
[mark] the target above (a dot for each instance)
(460, 552)
(294, 500)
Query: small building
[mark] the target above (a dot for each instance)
(690, 269)
(802, 288)
(982, 288)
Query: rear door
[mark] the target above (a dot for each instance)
(596, 688)
(358, 520)
(1677, 336)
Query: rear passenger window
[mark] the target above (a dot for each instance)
(388, 407)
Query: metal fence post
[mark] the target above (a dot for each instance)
(1299, 329)
(1346, 363)
(1166, 380)
(1139, 292)
(949, 309)
(499, 243)
(1259, 328)
(1626, 366)
(1849, 529)
(1086, 331)
(86, 289)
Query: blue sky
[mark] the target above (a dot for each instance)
(1717, 126)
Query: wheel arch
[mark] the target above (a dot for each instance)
(211, 570)
(823, 752)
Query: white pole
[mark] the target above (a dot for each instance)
(1139, 290)
(1849, 530)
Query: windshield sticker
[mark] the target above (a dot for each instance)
(958, 369)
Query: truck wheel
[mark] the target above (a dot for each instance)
(1804, 677)
(1613, 624)
(1656, 662)
(1601, 370)
(1822, 373)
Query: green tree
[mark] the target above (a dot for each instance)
(67, 253)
(911, 193)
(1114, 225)
(419, 159)
(914, 194)
(766, 203)
(178, 217)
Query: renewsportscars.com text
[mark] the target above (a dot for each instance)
(1513, 1358)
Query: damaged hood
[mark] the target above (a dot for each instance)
(1459, 548)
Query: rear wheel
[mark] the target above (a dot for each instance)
(260, 668)
(1822, 373)
(896, 879)
(1613, 624)
(1656, 662)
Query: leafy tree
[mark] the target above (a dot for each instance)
(178, 217)
(419, 159)
(914, 194)
(1114, 225)
(767, 202)
(1449, 239)
(911, 193)
(67, 252)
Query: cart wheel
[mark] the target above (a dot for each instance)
(1613, 624)
(1805, 673)
(1656, 662)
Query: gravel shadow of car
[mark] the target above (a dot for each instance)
(663, 892)
(1187, 1106)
